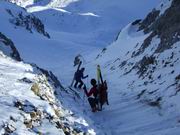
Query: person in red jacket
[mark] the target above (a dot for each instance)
(92, 95)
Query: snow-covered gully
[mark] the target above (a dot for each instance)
(126, 115)
(140, 63)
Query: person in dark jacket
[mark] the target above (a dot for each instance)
(79, 75)
(92, 96)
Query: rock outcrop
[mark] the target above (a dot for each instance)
(8, 48)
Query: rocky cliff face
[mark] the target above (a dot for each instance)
(165, 26)
(29, 22)
(8, 48)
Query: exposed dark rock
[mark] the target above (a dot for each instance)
(117, 36)
(8, 43)
(127, 53)
(150, 76)
(143, 64)
(149, 20)
(166, 27)
(151, 92)
(9, 128)
(112, 68)
(171, 85)
(145, 83)
(171, 65)
(177, 78)
(123, 64)
(155, 103)
(30, 22)
(177, 88)
(140, 94)
(26, 80)
(50, 76)
(102, 52)
(172, 55)
(25, 106)
(118, 59)
(136, 22)
(10, 12)
(159, 77)
(145, 44)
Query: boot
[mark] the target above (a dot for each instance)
(94, 109)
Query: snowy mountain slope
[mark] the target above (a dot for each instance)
(143, 93)
(142, 70)
(60, 49)
(99, 20)
(68, 122)
(22, 112)
(20, 18)
(75, 27)
(143, 53)
(30, 101)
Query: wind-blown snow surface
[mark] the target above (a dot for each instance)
(143, 89)
(134, 107)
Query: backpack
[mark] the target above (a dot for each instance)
(103, 93)
(78, 75)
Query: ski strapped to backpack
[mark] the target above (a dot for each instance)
(75, 73)
(102, 88)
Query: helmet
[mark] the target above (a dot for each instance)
(82, 69)
(93, 81)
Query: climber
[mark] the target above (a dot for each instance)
(79, 75)
(92, 95)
